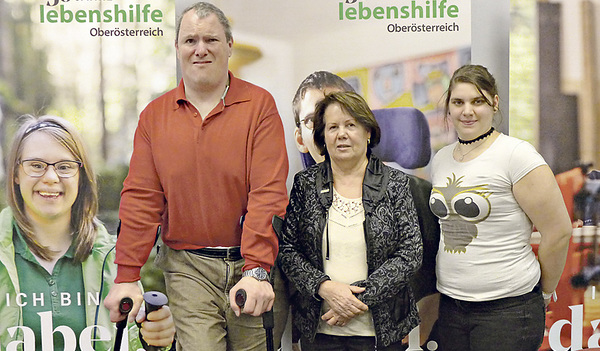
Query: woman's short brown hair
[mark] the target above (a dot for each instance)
(353, 104)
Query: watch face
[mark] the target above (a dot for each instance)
(258, 273)
(261, 273)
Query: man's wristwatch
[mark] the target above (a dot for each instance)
(257, 273)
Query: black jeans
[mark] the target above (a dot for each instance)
(324, 342)
(508, 324)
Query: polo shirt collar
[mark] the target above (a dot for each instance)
(237, 92)
(179, 94)
(23, 250)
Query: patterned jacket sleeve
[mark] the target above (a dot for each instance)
(295, 250)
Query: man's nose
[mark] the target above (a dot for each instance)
(200, 49)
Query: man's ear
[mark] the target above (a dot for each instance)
(299, 141)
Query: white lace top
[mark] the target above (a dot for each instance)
(347, 261)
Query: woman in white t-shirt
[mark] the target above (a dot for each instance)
(489, 189)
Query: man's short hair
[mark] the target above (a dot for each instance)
(205, 9)
(319, 80)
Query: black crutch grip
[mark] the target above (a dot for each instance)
(125, 307)
(267, 317)
(240, 298)
(153, 301)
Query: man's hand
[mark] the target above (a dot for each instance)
(118, 292)
(259, 296)
(157, 328)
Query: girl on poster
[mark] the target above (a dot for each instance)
(56, 258)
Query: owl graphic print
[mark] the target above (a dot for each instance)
(459, 209)
(484, 251)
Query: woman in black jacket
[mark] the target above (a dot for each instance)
(351, 241)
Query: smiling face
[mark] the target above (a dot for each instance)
(203, 51)
(469, 111)
(345, 139)
(47, 198)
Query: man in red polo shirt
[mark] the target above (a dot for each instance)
(208, 172)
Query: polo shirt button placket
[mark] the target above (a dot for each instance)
(55, 302)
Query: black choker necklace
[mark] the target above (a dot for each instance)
(481, 137)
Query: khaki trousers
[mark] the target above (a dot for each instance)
(198, 290)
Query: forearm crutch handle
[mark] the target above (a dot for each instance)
(153, 301)
(125, 307)
(267, 318)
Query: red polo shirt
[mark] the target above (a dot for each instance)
(196, 178)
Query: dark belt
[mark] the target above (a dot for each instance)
(227, 253)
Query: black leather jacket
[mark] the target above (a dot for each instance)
(394, 248)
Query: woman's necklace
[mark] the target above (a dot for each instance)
(462, 156)
(467, 142)
(481, 137)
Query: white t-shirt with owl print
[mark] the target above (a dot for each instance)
(485, 252)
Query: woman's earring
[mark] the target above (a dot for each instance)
(368, 141)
